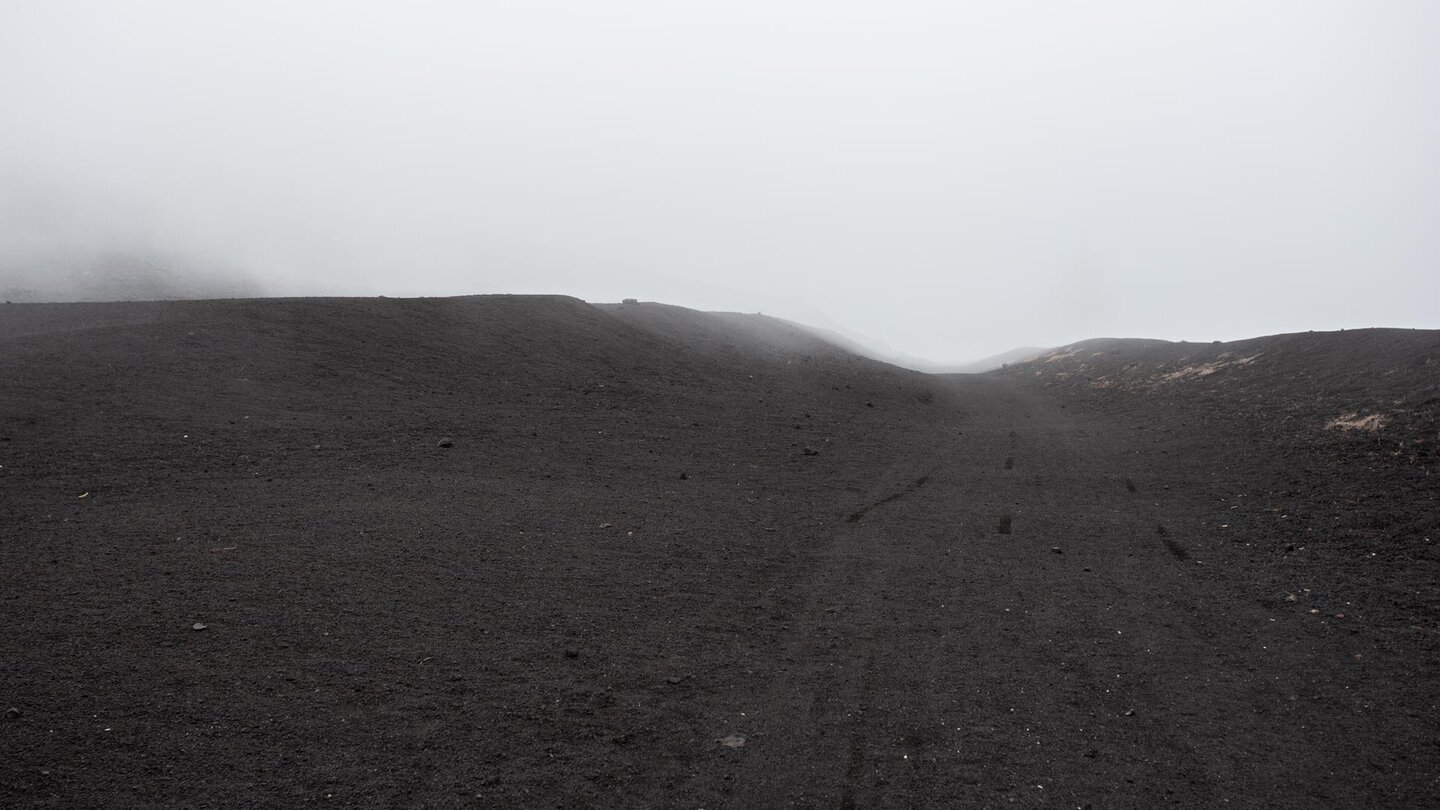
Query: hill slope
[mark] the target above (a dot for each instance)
(1348, 421)
(673, 558)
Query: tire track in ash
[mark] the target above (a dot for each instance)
(927, 663)
(913, 690)
(814, 735)
(859, 514)
(877, 695)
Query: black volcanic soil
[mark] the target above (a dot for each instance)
(520, 552)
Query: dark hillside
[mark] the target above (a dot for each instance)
(273, 470)
(514, 551)
(1324, 446)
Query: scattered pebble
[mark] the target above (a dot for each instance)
(199, 626)
(733, 741)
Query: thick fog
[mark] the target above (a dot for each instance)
(947, 180)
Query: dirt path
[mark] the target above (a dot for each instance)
(1083, 657)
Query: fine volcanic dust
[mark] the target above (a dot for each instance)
(506, 551)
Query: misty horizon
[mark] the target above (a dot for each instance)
(933, 182)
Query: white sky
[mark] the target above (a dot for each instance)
(948, 179)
